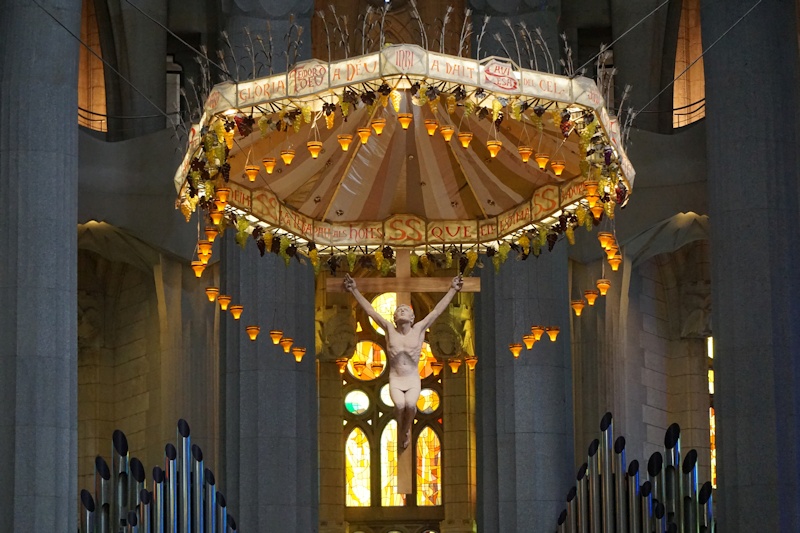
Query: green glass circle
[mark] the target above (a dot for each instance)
(356, 402)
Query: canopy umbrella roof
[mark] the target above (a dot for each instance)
(406, 187)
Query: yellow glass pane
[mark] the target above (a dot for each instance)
(429, 468)
(384, 304)
(425, 359)
(357, 466)
(368, 361)
(428, 401)
(710, 381)
(389, 494)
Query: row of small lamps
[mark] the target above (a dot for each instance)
(204, 250)
(611, 248)
(536, 334)
(431, 126)
(436, 366)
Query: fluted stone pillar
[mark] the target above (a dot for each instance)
(270, 423)
(38, 266)
(751, 116)
(524, 406)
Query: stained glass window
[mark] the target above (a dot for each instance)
(429, 470)
(357, 402)
(357, 469)
(385, 304)
(389, 494)
(712, 418)
(368, 361)
(428, 401)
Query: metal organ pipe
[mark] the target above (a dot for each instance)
(102, 495)
(171, 488)
(606, 444)
(634, 500)
(184, 477)
(620, 486)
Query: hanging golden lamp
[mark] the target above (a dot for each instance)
(364, 134)
(454, 365)
(597, 211)
(447, 132)
(378, 124)
(276, 335)
(212, 293)
(204, 258)
(590, 187)
(220, 205)
(358, 366)
(269, 164)
(592, 200)
(286, 343)
(577, 306)
(298, 353)
(494, 147)
(552, 332)
(344, 141)
(529, 340)
(236, 311)
(252, 332)
(525, 152)
(251, 171)
(603, 285)
(341, 363)
(558, 166)
(471, 361)
(216, 217)
(611, 251)
(204, 247)
(287, 156)
(537, 331)
(314, 148)
(464, 138)
(224, 300)
(615, 262)
(404, 119)
(198, 268)
(436, 367)
(541, 160)
(591, 295)
(224, 192)
(431, 125)
(516, 349)
(606, 239)
(211, 234)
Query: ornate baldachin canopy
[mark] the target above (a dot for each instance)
(325, 157)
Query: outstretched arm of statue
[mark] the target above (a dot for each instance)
(350, 286)
(455, 286)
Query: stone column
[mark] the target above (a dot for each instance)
(524, 406)
(38, 269)
(270, 422)
(751, 118)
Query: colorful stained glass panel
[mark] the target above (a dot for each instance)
(356, 401)
(389, 494)
(429, 473)
(428, 401)
(357, 457)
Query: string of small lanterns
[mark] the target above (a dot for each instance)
(204, 251)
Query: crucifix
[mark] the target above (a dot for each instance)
(402, 338)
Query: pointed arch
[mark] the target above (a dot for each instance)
(358, 458)
(429, 468)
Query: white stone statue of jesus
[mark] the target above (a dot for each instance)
(404, 341)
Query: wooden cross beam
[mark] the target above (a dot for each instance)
(403, 285)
